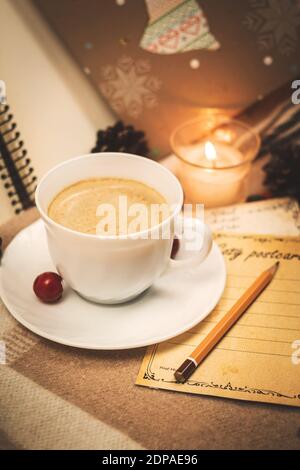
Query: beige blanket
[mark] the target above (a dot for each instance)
(57, 397)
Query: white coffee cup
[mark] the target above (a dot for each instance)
(114, 269)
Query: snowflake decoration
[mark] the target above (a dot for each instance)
(276, 24)
(129, 86)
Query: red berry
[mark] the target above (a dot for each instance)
(48, 287)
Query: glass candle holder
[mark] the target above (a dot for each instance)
(214, 157)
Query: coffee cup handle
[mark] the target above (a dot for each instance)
(197, 229)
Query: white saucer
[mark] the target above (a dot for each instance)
(174, 304)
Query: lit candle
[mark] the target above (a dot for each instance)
(214, 174)
(213, 169)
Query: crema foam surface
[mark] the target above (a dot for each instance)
(88, 206)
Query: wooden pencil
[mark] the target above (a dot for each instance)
(217, 333)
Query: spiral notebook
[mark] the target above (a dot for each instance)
(16, 171)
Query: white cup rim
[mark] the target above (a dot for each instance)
(139, 234)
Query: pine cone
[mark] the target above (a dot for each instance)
(120, 138)
(283, 171)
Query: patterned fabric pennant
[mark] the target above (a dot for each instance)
(176, 26)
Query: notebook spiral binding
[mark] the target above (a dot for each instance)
(15, 169)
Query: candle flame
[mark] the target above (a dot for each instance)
(210, 151)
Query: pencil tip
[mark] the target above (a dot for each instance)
(274, 268)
